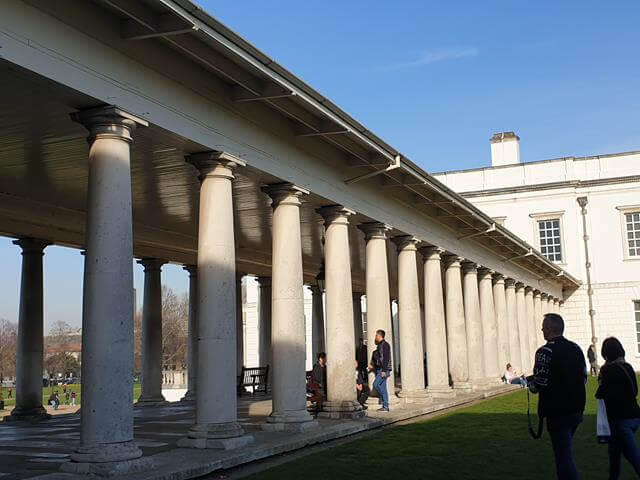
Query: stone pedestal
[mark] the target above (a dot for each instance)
(29, 359)
(341, 351)
(456, 328)
(106, 432)
(288, 336)
(435, 326)
(151, 391)
(377, 292)
(216, 402)
(411, 344)
(192, 347)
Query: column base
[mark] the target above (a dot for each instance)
(106, 453)
(415, 396)
(189, 397)
(221, 436)
(155, 401)
(443, 391)
(349, 409)
(462, 387)
(36, 414)
(298, 421)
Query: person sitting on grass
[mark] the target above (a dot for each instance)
(619, 388)
(512, 377)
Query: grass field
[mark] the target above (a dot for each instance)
(9, 403)
(488, 440)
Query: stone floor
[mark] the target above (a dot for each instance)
(37, 451)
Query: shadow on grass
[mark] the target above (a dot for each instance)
(489, 440)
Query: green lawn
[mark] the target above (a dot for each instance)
(46, 391)
(485, 441)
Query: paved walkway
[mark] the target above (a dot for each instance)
(36, 451)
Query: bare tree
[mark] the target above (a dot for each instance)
(8, 349)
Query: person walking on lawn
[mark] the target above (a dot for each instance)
(619, 389)
(381, 362)
(559, 376)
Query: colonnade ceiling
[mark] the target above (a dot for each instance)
(43, 182)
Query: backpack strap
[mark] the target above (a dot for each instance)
(634, 386)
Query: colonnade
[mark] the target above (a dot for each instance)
(475, 320)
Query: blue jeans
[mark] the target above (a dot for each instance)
(561, 430)
(380, 384)
(623, 442)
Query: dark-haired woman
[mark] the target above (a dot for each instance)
(619, 388)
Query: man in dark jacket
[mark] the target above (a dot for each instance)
(559, 376)
(381, 362)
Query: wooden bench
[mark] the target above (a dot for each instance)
(255, 377)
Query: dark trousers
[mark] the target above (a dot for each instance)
(623, 442)
(363, 394)
(561, 430)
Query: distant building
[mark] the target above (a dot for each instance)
(546, 202)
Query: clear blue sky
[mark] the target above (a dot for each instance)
(435, 80)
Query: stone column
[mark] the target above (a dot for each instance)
(317, 321)
(30, 334)
(523, 328)
(410, 323)
(475, 347)
(555, 308)
(530, 315)
(357, 316)
(192, 347)
(456, 327)
(543, 303)
(151, 394)
(561, 307)
(216, 405)
(341, 350)
(239, 325)
(377, 294)
(106, 431)
(489, 326)
(264, 323)
(288, 336)
(435, 326)
(502, 320)
(515, 355)
(537, 318)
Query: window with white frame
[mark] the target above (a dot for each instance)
(632, 222)
(549, 239)
(636, 311)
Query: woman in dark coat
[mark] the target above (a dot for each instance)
(619, 388)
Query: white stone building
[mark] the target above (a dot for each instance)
(540, 202)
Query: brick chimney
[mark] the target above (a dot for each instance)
(505, 149)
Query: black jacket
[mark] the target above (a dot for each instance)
(381, 357)
(559, 375)
(619, 388)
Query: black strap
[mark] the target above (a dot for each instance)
(634, 389)
(532, 432)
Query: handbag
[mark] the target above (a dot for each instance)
(603, 431)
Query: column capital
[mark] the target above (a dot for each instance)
(264, 281)
(151, 264)
(528, 290)
(498, 278)
(544, 296)
(536, 293)
(31, 245)
(108, 121)
(406, 242)
(555, 300)
(315, 290)
(337, 214)
(452, 260)
(484, 272)
(284, 194)
(561, 302)
(510, 282)
(192, 269)
(374, 230)
(357, 295)
(214, 163)
(470, 267)
(432, 253)
(519, 285)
